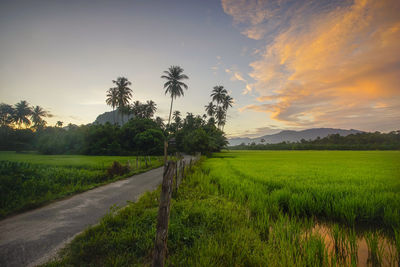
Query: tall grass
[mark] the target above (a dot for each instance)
(344, 186)
(256, 209)
(25, 185)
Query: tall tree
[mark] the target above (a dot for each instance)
(37, 115)
(218, 94)
(112, 99)
(124, 94)
(220, 115)
(176, 116)
(151, 108)
(210, 109)
(22, 113)
(59, 124)
(174, 84)
(227, 102)
(6, 114)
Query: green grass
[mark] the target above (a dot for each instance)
(350, 187)
(76, 161)
(260, 209)
(31, 180)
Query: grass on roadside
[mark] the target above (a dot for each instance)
(219, 218)
(29, 180)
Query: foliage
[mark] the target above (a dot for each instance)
(359, 141)
(174, 84)
(138, 136)
(21, 113)
(143, 110)
(120, 95)
(222, 216)
(194, 134)
(219, 110)
(117, 169)
(29, 180)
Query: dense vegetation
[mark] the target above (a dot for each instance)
(262, 209)
(359, 141)
(136, 137)
(29, 180)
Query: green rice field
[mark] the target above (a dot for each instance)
(262, 208)
(30, 180)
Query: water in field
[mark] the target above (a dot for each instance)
(349, 249)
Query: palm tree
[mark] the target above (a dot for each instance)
(59, 124)
(136, 109)
(218, 93)
(227, 102)
(151, 108)
(220, 115)
(124, 94)
(112, 99)
(22, 112)
(37, 115)
(210, 109)
(174, 84)
(176, 116)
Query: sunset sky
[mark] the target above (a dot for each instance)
(288, 64)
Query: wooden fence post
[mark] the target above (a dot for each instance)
(160, 244)
(183, 169)
(176, 177)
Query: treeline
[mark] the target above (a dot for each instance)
(359, 141)
(139, 136)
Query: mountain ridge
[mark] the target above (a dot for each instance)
(292, 136)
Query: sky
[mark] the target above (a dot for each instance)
(288, 64)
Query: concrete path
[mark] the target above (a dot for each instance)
(34, 237)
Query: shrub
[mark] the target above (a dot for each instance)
(117, 169)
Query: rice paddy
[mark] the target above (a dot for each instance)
(30, 180)
(263, 208)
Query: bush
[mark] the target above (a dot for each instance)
(117, 169)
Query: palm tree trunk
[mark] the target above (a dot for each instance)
(113, 116)
(170, 110)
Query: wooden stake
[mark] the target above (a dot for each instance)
(160, 244)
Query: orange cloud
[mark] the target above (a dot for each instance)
(331, 65)
(237, 76)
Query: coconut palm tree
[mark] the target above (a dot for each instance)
(59, 124)
(37, 115)
(210, 109)
(174, 84)
(21, 114)
(176, 116)
(218, 93)
(227, 102)
(112, 99)
(220, 115)
(124, 94)
(151, 108)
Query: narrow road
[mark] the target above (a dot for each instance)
(33, 237)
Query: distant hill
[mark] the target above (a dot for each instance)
(292, 136)
(112, 117)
